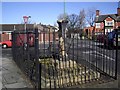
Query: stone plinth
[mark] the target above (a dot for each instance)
(65, 73)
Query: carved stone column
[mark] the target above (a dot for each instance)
(62, 27)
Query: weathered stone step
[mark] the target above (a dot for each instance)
(66, 81)
(66, 74)
(70, 79)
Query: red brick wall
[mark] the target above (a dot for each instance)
(42, 37)
(47, 37)
(4, 37)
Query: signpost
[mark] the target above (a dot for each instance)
(25, 22)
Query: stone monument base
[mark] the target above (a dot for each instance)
(65, 73)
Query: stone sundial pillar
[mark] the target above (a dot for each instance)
(62, 27)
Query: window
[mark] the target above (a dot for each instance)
(97, 25)
(109, 23)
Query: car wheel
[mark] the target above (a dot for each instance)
(4, 46)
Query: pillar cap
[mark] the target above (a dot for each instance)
(62, 21)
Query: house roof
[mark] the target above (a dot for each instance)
(11, 27)
(101, 18)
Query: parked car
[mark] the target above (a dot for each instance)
(110, 40)
(101, 38)
(97, 36)
(114, 43)
(6, 44)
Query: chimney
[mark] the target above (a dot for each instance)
(97, 13)
(118, 9)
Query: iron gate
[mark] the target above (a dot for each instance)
(54, 62)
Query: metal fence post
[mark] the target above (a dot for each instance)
(116, 53)
(38, 74)
(13, 45)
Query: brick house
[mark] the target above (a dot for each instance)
(6, 29)
(45, 31)
(88, 31)
(107, 23)
(76, 33)
(104, 23)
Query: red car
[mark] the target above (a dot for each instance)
(6, 44)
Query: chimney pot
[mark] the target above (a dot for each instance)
(118, 11)
(97, 12)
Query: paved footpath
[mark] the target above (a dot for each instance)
(12, 77)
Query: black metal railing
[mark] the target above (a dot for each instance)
(25, 54)
(51, 61)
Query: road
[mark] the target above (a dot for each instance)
(94, 53)
(7, 53)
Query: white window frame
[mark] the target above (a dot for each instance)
(107, 23)
(97, 25)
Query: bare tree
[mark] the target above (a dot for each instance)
(73, 20)
(82, 16)
(91, 16)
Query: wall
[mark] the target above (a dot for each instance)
(47, 37)
(5, 37)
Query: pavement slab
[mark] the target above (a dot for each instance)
(112, 84)
(12, 76)
(16, 85)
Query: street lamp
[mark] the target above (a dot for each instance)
(25, 22)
